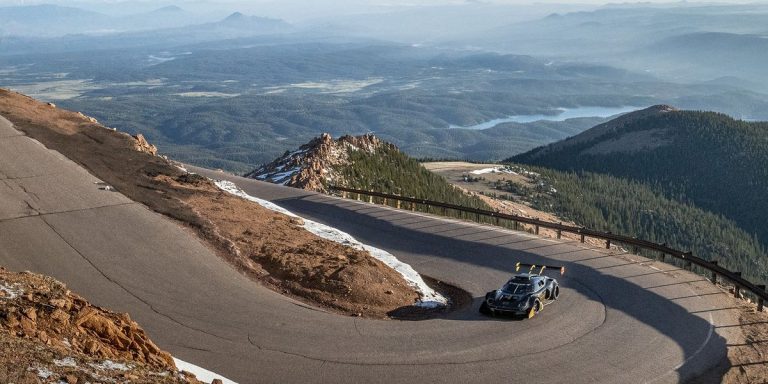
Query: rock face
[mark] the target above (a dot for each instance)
(312, 166)
(41, 309)
(142, 145)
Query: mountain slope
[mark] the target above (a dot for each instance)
(633, 208)
(362, 162)
(709, 159)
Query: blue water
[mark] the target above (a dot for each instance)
(565, 114)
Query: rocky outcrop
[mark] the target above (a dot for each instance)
(142, 145)
(312, 166)
(40, 307)
(51, 329)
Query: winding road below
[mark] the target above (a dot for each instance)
(621, 318)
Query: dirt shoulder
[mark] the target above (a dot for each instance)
(748, 355)
(49, 334)
(261, 243)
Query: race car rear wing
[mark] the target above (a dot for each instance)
(541, 268)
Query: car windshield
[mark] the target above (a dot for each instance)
(517, 288)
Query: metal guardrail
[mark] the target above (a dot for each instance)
(689, 259)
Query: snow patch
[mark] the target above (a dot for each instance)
(202, 374)
(429, 297)
(110, 365)
(42, 372)
(65, 362)
(493, 170)
(9, 291)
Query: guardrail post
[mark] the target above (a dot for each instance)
(760, 301)
(398, 204)
(687, 266)
(370, 198)
(537, 229)
(582, 238)
(736, 290)
(385, 201)
(714, 274)
(516, 229)
(413, 206)
(497, 221)
(608, 244)
(559, 233)
(477, 217)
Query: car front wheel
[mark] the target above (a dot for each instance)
(535, 308)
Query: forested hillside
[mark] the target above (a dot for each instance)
(391, 171)
(700, 158)
(633, 208)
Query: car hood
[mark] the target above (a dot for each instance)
(503, 296)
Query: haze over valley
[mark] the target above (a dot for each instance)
(218, 87)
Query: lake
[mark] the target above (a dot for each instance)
(565, 114)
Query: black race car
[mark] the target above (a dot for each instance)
(525, 294)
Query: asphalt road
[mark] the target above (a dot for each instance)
(621, 318)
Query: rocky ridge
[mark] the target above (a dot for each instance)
(313, 165)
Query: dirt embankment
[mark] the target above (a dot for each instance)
(265, 244)
(749, 355)
(49, 334)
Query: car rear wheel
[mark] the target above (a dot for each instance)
(555, 292)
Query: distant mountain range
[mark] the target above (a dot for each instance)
(702, 158)
(47, 20)
(51, 28)
(689, 42)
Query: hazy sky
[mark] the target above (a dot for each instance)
(369, 2)
(300, 10)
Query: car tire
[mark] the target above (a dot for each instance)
(535, 308)
(555, 292)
